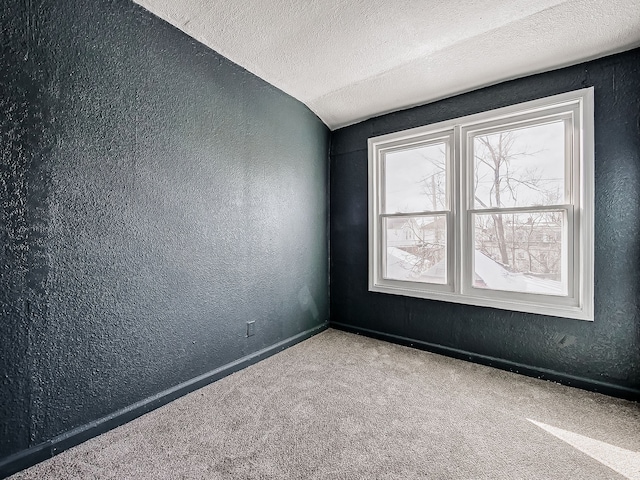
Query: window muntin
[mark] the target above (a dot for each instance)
(544, 202)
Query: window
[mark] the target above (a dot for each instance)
(494, 209)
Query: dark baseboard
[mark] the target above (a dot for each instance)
(530, 371)
(38, 453)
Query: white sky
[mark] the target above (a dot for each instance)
(408, 173)
(408, 178)
(544, 159)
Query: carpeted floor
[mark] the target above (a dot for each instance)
(341, 406)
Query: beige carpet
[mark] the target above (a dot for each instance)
(341, 406)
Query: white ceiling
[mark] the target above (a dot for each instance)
(352, 60)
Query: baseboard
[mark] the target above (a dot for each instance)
(528, 370)
(38, 453)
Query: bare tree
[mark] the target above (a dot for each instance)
(434, 184)
(497, 153)
(522, 242)
(506, 180)
(429, 244)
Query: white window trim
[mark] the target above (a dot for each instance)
(579, 303)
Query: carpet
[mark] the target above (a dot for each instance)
(343, 406)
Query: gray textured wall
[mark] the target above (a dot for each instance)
(604, 354)
(153, 198)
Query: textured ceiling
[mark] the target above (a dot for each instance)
(351, 60)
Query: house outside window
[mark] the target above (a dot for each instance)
(493, 209)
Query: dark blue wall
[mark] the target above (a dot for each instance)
(154, 197)
(604, 354)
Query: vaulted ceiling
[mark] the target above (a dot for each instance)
(351, 60)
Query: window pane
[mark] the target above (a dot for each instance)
(520, 252)
(521, 167)
(415, 179)
(416, 248)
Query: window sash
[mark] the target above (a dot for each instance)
(435, 138)
(571, 140)
(568, 267)
(448, 242)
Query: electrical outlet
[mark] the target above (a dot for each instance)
(251, 328)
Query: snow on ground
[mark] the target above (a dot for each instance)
(488, 274)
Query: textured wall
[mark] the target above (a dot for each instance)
(153, 198)
(606, 350)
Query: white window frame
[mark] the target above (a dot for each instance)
(577, 109)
